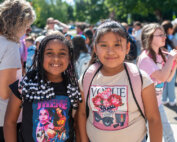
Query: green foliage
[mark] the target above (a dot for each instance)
(90, 10)
(50, 8)
(143, 9)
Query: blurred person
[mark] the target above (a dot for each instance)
(38, 41)
(132, 55)
(31, 49)
(69, 37)
(51, 32)
(169, 89)
(23, 53)
(161, 69)
(137, 29)
(15, 18)
(174, 39)
(50, 23)
(55, 25)
(64, 26)
(80, 28)
(89, 38)
(81, 55)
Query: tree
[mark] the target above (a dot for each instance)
(160, 9)
(90, 10)
(50, 8)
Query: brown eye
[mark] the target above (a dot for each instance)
(117, 45)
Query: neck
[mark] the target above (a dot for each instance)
(112, 71)
(156, 49)
(55, 79)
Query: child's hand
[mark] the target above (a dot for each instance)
(173, 54)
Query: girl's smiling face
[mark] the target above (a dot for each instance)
(111, 50)
(56, 60)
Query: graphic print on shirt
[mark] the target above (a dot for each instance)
(50, 120)
(109, 107)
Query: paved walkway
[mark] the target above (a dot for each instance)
(174, 127)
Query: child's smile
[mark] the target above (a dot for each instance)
(111, 50)
(56, 60)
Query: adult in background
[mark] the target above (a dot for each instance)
(55, 25)
(161, 69)
(15, 17)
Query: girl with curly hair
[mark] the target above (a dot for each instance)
(50, 83)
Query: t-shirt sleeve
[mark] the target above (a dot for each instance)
(10, 57)
(146, 79)
(147, 65)
(14, 88)
(81, 83)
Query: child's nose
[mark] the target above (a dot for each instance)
(110, 49)
(56, 57)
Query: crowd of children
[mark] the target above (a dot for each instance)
(78, 88)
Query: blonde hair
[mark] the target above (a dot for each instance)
(14, 16)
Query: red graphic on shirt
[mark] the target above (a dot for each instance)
(106, 101)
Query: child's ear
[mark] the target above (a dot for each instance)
(128, 47)
(94, 48)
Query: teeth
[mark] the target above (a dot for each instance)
(55, 65)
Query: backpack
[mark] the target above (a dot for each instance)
(133, 53)
(134, 77)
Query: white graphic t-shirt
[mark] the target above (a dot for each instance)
(113, 113)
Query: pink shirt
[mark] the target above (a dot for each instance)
(149, 66)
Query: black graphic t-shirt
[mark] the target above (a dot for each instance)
(47, 121)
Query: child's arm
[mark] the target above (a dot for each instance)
(152, 113)
(82, 120)
(12, 113)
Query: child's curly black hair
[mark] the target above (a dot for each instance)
(35, 85)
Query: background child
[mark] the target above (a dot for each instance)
(153, 61)
(89, 37)
(81, 55)
(31, 48)
(113, 113)
(51, 84)
(15, 17)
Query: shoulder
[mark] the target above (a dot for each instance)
(5, 41)
(144, 60)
